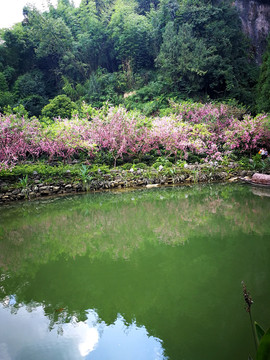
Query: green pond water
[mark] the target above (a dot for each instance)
(147, 274)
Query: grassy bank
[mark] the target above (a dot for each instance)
(32, 180)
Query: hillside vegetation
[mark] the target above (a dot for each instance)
(138, 53)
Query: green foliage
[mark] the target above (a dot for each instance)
(85, 177)
(61, 106)
(127, 166)
(144, 6)
(193, 158)
(30, 83)
(52, 36)
(141, 166)
(24, 181)
(20, 111)
(259, 164)
(181, 163)
(6, 100)
(263, 352)
(132, 35)
(85, 111)
(263, 87)
(162, 49)
(162, 162)
(17, 51)
(259, 331)
(100, 169)
(9, 73)
(104, 157)
(33, 104)
(183, 58)
(92, 41)
(207, 53)
(6, 97)
(101, 87)
(150, 99)
(43, 169)
(3, 83)
(74, 92)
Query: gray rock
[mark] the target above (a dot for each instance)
(149, 186)
(44, 188)
(16, 192)
(45, 192)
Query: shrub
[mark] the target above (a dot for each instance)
(60, 106)
(115, 136)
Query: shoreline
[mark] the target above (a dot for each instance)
(116, 179)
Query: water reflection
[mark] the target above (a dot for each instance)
(260, 191)
(170, 261)
(74, 340)
(118, 224)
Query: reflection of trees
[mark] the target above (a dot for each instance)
(63, 255)
(169, 290)
(121, 223)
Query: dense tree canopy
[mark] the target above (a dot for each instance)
(106, 48)
(263, 103)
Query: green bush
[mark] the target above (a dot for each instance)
(127, 166)
(162, 161)
(6, 99)
(141, 166)
(33, 104)
(3, 83)
(101, 87)
(29, 83)
(60, 106)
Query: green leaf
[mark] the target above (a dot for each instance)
(263, 352)
(259, 331)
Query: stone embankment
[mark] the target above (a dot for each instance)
(116, 179)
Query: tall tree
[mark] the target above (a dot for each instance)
(263, 87)
(227, 70)
(53, 43)
(183, 59)
(93, 46)
(132, 35)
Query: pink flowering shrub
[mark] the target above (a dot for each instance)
(207, 130)
(248, 134)
(17, 139)
(64, 138)
(175, 136)
(119, 134)
(197, 113)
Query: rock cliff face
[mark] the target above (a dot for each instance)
(255, 17)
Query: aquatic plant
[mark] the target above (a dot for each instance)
(85, 177)
(261, 337)
(24, 181)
